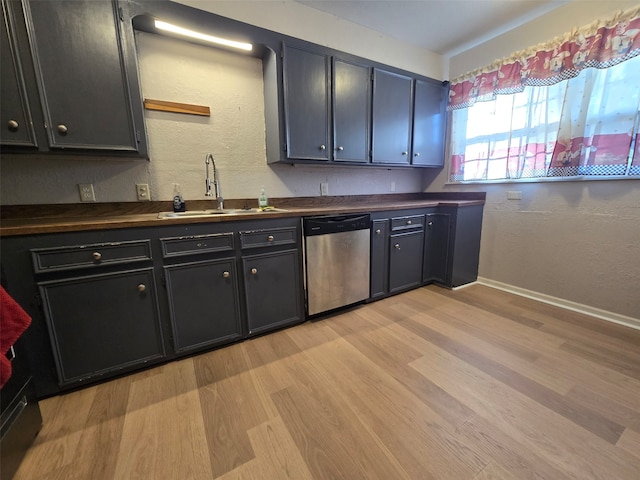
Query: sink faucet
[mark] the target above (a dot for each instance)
(216, 182)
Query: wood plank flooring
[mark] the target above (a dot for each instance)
(430, 384)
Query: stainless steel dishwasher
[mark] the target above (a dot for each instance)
(337, 257)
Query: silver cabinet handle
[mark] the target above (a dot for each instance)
(97, 256)
(408, 222)
(225, 274)
(62, 129)
(417, 154)
(430, 223)
(13, 125)
(340, 148)
(405, 154)
(378, 231)
(323, 147)
(254, 271)
(142, 287)
(397, 246)
(270, 238)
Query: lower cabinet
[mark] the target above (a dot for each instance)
(102, 324)
(272, 281)
(204, 303)
(436, 248)
(379, 258)
(405, 260)
(416, 247)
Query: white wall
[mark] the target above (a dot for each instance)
(578, 241)
(231, 85)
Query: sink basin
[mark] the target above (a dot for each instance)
(226, 211)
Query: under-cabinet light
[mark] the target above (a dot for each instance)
(201, 36)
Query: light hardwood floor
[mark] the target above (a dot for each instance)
(430, 384)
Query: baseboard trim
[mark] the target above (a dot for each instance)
(562, 303)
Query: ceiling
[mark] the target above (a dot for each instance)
(446, 27)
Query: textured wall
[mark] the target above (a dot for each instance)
(231, 84)
(578, 241)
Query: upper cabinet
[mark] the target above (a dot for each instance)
(83, 76)
(351, 111)
(430, 103)
(306, 104)
(340, 110)
(392, 112)
(16, 124)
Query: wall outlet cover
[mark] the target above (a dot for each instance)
(86, 192)
(143, 192)
(514, 195)
(324, 189)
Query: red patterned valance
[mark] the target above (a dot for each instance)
(601, 45)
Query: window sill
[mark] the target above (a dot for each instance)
(582, 178)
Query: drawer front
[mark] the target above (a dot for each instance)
(84, 256)
(269, 237)
(179, 246)
(403, 223)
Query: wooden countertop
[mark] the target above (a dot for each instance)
(29, 220)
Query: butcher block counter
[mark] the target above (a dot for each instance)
(36, 219)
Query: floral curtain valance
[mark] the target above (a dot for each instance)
(600, 45)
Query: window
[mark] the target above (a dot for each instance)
(569, 107)
(585, 127)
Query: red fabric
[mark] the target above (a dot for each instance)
(604, 48)
(13, 322)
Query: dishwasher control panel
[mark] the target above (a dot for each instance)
(336, 223)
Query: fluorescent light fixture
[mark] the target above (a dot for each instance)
(201, 36)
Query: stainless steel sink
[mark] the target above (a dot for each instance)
(212, 212)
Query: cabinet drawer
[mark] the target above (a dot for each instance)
(179, 246)
(269, 237)
(403, 223)
(83, 256)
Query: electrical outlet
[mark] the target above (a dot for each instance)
(142, 189)
(324, 189)
(86, 192)
(393, 186)
(514, 195)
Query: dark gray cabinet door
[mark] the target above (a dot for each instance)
(392, 117)
(16, 125)
(429, 124)
(273, 290)
(436, 248)
(379, 258)
(102, 324)
(351, 111)
(84, 89)
(464, 244)
(204, 303)
(405, 260)
(307, 105)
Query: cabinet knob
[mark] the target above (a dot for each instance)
(142, 287)
(13, 125)
(270, 238)
(323, 147)
(430, 223)
(225, 274)
(404, 154)
(62, 129)
(408, 222)
(97, 256)
(417, 154)
(397, 246)
(254, 271)
(378, 231)
(340, 148)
